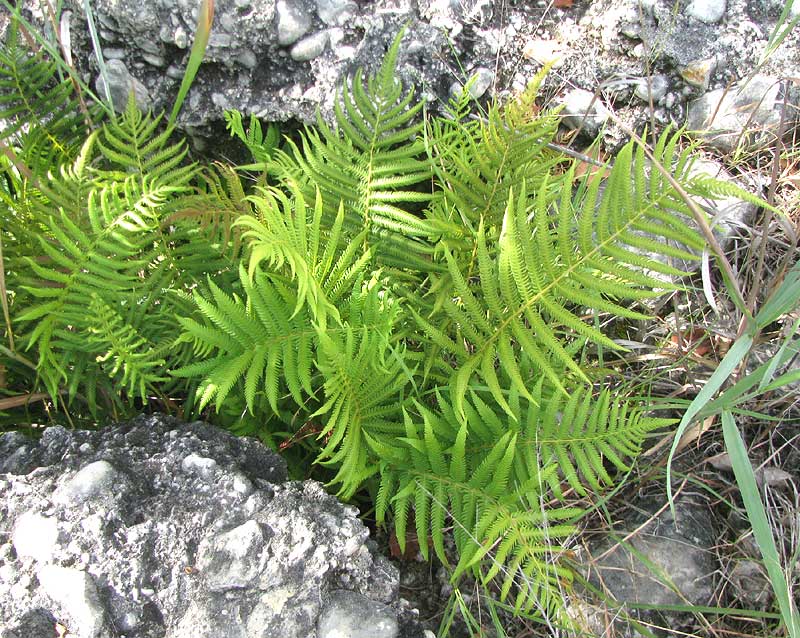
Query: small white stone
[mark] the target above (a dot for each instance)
(482, 78)
(336, 12)
(195, 463)
(544, 52)
(75, 593)
(181, 39)
(293, 22)
(35, 536)
(93, 480)
(655, 88)
(708, 11)
(310, 47)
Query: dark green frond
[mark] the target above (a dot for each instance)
(41, 115)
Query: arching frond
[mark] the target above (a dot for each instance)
(41, 115)
(373, 164)
(261, 342)
(549, 266)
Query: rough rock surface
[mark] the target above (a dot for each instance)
(156, 528)
(644, 60)
(655, 559)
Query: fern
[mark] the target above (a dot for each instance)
(586, 256)
(414, 293)
(440, 475)
(127, 352)
(253, 341)
(373, 164)
(41, 115)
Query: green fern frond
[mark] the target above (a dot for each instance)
(287, 235)
(548, 266)
(373, 163)
(479, 161)
(41, 114)
(131, 358)
(365, 379)
(134, 144)
(261, 146)
(440, 476)
(221, 200)
(261, 343)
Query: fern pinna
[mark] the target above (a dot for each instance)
(418, 295)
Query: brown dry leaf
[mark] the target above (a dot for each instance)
(769, 475)
(562, 4)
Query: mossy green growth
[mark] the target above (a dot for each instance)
(417, 293)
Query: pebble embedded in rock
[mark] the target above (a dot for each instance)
(75, 595)
(582, 109)
(194, 463)
(293, 21)
(233, 559)
(351, 615)
(480, 81)
(35, 536)
(310, 47)
(335, 12)
(656, 88)
(94, 480)
(698, 72)
(708, 11)
(120, 84)
(748, 113)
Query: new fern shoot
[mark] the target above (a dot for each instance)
(417, 291)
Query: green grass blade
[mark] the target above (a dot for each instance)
(726, 368)
(204, 19)
(746, 481)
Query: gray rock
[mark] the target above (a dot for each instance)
(310, 47)
(75, 598)
(175, 530)
(655, 87)
(751, 585)
(294, 21)
(747, 115)
(698, 73)
(708, 11)
(582, 109)
(120, 85)
(335, 12)
(349, 614)
(665, 562)
(482, 79)
(36, 623)
(93, 481)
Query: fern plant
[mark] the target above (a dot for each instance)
(100, 238)
(419, 294)
(468, 395)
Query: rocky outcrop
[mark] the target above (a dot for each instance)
(645, 60)
(156, 528)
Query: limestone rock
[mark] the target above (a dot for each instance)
(157, 528)
(747, 114)
(582, 109)
(680, 548)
